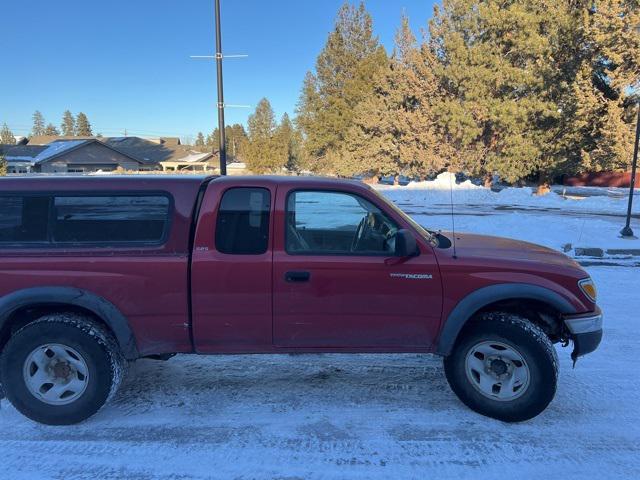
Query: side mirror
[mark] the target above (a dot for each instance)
(406, 244)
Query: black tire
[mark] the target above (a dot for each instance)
(533, 345)
(97, 348)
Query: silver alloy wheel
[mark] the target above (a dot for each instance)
(497, 370)
(56, 374)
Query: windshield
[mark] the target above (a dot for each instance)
(430, 237)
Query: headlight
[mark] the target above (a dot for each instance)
(589, 289)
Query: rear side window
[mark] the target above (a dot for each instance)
(23, 219)
(102, 219)
(242, 227)
(84, 219)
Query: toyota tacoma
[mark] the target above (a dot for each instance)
(96, 272)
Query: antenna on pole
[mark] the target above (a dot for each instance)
(221, 126)
(222, 144)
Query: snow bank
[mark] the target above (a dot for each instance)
(444, 181)
(438, 192)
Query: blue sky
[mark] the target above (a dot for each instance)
(126, 63)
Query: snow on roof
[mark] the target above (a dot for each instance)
(56, 148)
(192, 157)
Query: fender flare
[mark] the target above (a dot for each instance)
(60, 296)
(482, 297)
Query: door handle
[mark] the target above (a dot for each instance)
(296, 277)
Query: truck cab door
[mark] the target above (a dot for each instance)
(336, 282)
(231, 271)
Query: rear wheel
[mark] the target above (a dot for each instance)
(61, 369)
(504, 367)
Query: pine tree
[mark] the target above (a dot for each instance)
(262, 152)
(307, 121)
(235, 138)
(83, 127)
(497, 65)
(395, 129)
(607, 65)
(289, 143)
(51, 129)
(537, 86)
(344, 77)
(68, 125)
(212, 139)
(38, 124)
(200, 140)
(6, 136)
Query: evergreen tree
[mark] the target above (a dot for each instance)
(262, 151)
(83, 127)
(606, 60)
(289, 142)
(307, 118)
(200, 140)
(6, 136)
(395, 130)
(51, 129)
(344, 77)
(68, 125)
(235, 138)
(496, 63)
(38, 124)
(537, 86)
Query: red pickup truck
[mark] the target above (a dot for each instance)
(100, 271)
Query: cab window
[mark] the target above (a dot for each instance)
(242, 226)
(337, 223)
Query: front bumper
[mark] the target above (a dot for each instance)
(586, 332)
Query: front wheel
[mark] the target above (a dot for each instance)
(61, 369)
(504, 367)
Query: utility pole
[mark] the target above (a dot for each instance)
(221, 105)
(222, 133)
(626, 232)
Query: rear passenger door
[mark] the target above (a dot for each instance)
(232, 269)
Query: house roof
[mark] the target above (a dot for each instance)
(21, 153)
(46, 139)
(41, 153)
(192, 157)
(148, 151)
(170, 141)
(142, 150)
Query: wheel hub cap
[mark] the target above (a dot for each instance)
(497, 370)
(62, 370)
(56, 374)
(499, 367)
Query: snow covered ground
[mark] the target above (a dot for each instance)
(365, 416)
(340, 416)
(551, 220)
